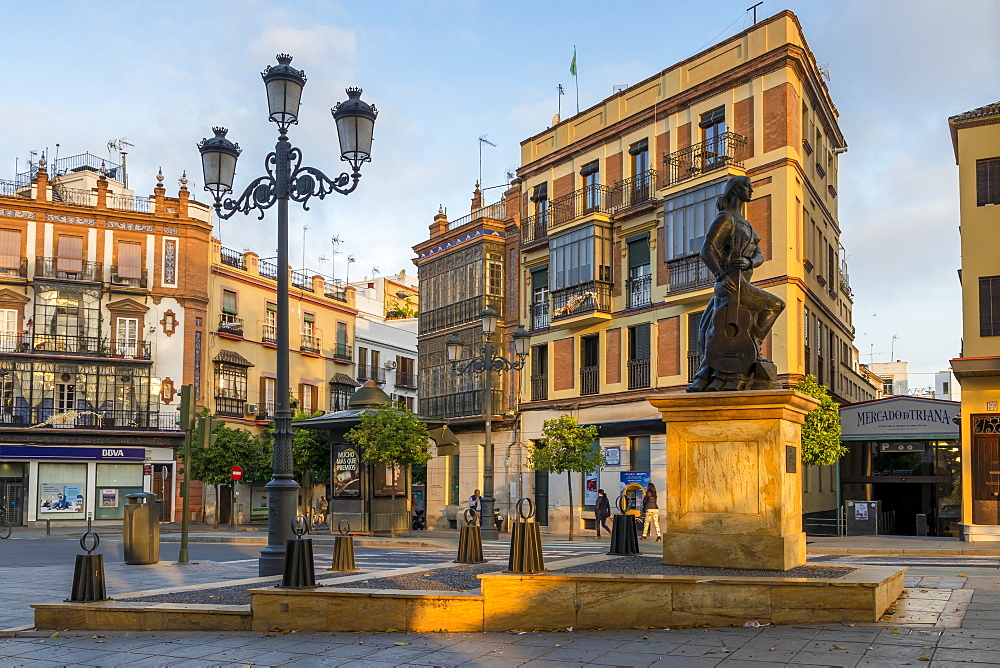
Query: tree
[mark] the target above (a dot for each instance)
(233, 447)
(821, 443)
(391, 436)
(310, 457)
(566, 446)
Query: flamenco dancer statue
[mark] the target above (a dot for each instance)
(739, 315)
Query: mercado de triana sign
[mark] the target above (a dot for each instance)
(899, 418)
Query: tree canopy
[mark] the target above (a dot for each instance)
(233, 447)
(821, 443)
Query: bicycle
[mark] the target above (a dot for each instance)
(4, 526)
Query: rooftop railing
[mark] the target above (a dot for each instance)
(232, 258)
(495, 211)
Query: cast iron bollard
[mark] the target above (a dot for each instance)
(470, 542)
(88, 575)
(343, 549)
(624, 533)
(525, 542)
(299, 569)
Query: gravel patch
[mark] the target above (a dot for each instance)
(640, 565)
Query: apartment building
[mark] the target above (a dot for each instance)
(595, 250)
(102, 311)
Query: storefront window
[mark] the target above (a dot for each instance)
(114, 481)
(61, 491)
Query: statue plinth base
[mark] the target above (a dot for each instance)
(734, 478)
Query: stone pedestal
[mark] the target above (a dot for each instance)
(734, 479)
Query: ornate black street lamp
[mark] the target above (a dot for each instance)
(286, 179)
(487, 363)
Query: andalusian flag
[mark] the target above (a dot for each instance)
(572, 65)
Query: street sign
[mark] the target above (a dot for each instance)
(147, 469)
(237, 473)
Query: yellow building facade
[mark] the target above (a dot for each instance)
(601, 239)
(976, 140)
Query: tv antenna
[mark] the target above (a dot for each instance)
(483, 140)
(350, 261)
(754, 10)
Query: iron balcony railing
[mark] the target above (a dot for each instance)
(343, 351)
(687, 273)
(268, 333)
(265, 411)
(535, 227)
(310, 343)
(84, 162)
(406, 379)
(588, 380)
(459, 313)
(594, 296)
(129, 203)
(638, 373)
(139, 281)
(694, 363)
(302, 280)
(19, 414)
(12, 189)
(69, 269)
(69, 343)
(375, 373)
(232, 258)
(335, 289)
(230, 324)
(20, 271)
(229, 407)
(635, 190)
(495, 211)
(540, 387)
(131, 349)
(72, 344)
(540, 315)
(728, 149)
(637, 290)
(587, 200)
(267, 269)
(72, 196)
(460, 404)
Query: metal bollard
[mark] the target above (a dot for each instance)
(343, 549)
(624, 533)
(470, 541)
(88, 574)
(525, 542)
(299, 568)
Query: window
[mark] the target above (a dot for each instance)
(451, 496)
(887, 384)
(308, 398)
(638, 356)
(494, 275)
(64, 397)
(540, 297)
(540, 372)
(67, 320)
(10, 330)
(819, 352)
(376, 366)
(267, 397)
(362, 363)
(713, 130)
(127, 336)
(640, 157)
(229, 302)
(805, 337)
(591, 185)
(340, 396)
(230, 381)
(589, 356)
(540, 197)
(687, 217)
(129, 260)
(270, 333)
(70, 255)
(988, 182)
(579, 257)
(308, 324)
(638, 447)
(342, 335)
(638, 270)
(10, 252)
(989, 306)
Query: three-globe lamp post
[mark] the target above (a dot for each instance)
(286, 179)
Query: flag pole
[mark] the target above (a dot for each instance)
(576, 79)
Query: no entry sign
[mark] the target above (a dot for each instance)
(237, 473)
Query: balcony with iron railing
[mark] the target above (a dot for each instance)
(694, 363)
(495, 211)
(375, 373)
(267, 269)
(534, 228)
(583, 202)
(637, 290)
(343, 351)
(128, 283)
(539, 315)
(727, 150)
(688, 273)
(582, 304)
(406, 379)
(129, 203)
(588, 380)
(265, 411)
(460, 313)
(268, 333)
(635, 191)
(232, 258)
(467, 404)
(539, 387)
(230, 325)
(74, 344)
(302, 280)
(18, 413)
(69, 269)
(16, 271)
(230, 407)
(310, 343)
(638, 373)
(335, 289)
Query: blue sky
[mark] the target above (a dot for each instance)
(444, 72)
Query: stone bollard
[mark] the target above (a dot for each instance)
(343, 549)
(300, 571)
(88, 574)
(525, 542)
(624, 533)
(470, 541)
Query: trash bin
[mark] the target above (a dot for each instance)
(141, 533)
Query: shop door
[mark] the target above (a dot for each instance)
(225, 505)
(162, 489)
(985, 479)
(11, 495)
(542, 497)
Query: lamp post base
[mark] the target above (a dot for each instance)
(282, 499)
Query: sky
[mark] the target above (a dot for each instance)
(443, 73)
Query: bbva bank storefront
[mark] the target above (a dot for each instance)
(904, 452)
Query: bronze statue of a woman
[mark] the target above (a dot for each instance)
(739, 315)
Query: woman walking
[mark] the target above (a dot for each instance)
(602, 511)
(652, 512)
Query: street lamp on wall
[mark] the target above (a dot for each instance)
(286, 179)
(487, 363)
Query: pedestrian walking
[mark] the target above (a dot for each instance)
(652, 512)
(602, 511)
(476, 505)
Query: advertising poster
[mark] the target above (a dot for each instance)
(613, 456)
(346, 471)
(60, 498)
(590, 485)
(388, 478)
(109, 498)
(633, 487)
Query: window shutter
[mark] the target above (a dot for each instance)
(70, 255)
(10, 249)
(638, 343)
(694, 331)
(590, 168)
(300, 396)
(309, 317)
(639, 147)
(638, 252)
(262, 396)
(989, 306)
(540, 278)
(129, 260)
(540, 192)
(987, 182)
(272, 307)
(314, 390)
